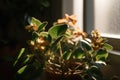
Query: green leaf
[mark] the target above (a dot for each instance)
(56, 41)
(78, 53)
(42, 26)
(26, 60)
(85, 45)
(108, 46)
(45, 3)
(101, 55)
(100, 64)
(67, 55)
(30, 71)
(21, 70)
(35, 35)
(35, 21)
(95, 73)
(20, 54)
(46, 36)
(54, 45)
(57, 31)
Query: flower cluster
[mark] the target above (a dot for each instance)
(97, 40)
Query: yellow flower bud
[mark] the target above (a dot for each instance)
(32, 43)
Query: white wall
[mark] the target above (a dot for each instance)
(74, 7)
(107, 17)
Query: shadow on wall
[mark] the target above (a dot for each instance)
(12, 33)
(112, 71)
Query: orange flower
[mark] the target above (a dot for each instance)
(60, 21)
(31, 27)
(41, 43)
(70, 20)
(78, 33)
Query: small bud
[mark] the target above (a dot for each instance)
(43, 47)
(40, 41)
(32, 43)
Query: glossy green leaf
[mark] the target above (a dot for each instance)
(85, 45)
(100, 64)
(67, 55)
(35, 35)
(35, 21)
(78, 53)
(42, 26)
(54, 45)
(21, 70)
(95, 73)
(57, 31)
(20, 54)
(108, 46)
(101, 55)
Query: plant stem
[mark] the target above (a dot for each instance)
(60, 49)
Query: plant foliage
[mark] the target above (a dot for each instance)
(63, 49)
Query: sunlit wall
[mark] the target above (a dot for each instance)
(107, 17)
(74, 7)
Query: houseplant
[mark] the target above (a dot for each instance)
(63, 52)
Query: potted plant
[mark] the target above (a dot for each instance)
(63, 52)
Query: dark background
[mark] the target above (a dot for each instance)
(12, 22)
